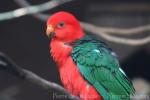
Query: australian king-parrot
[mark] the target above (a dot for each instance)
(87, 66)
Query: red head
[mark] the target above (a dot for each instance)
(64, 27)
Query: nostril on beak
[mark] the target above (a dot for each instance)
(49, 30)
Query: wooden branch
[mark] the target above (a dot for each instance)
(132, 42)
(30, 10)
(119, 31)
(104, 33)
(6, 64)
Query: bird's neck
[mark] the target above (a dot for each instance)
(60, 50)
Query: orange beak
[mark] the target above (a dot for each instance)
(50, 30)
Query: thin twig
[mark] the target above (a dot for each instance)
(132, 42)
(9, 66)
(120, 31)
(29, 10)
(32, 77)
(39, 15)
(104, 31)
(109, 30)
(100, 31)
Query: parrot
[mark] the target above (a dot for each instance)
(87, 66)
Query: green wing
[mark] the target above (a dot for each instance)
(101, 69)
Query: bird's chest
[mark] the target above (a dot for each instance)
(60, 52)
(71, 77)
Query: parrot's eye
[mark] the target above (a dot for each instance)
(61, 25)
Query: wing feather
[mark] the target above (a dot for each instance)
(101, 69)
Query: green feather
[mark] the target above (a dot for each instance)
(101, 69)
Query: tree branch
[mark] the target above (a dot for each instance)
(119, 31)
(39, 15)
(103, 32)
(6, 64)
(132, 42)
(29, 10)
(110, 30)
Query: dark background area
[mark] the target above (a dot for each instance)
(24, 40)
